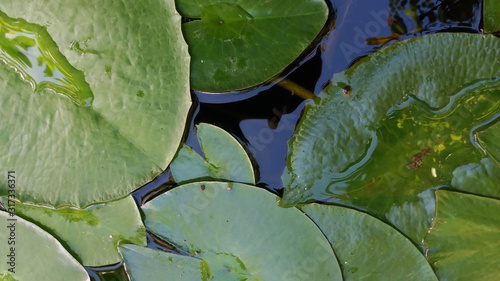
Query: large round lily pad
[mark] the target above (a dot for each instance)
(367, 248)
(396, 125)
(29, 253)
(135, 61)
(240, 232)
(225, 158)
(237, 44)
(464, 242)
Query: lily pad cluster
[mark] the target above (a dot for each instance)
(378, 141)
(392, 174)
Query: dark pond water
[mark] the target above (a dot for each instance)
(263, 119)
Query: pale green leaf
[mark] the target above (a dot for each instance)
(29, 253)
(135, 61)
(367, 248)
(240, 232)
(225, 158)
(92, 233)
(144, 264)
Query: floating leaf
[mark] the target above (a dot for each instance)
(464, 242)
(378, 140)
(239, 44)
(490, 140)
(491, 15)
(225, 158)
(480, 178)
(367, 248)
(135, 61)
(93, 233)
(144, 264)
(29, 253)
(241, 238)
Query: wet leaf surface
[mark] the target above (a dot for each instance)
(384, 148)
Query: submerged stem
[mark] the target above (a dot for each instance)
(294, 88)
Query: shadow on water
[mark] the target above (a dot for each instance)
(263, 119)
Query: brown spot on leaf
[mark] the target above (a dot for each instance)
(346, 91)
(418, 159)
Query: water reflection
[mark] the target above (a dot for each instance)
(30, 50)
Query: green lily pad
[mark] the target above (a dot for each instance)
(239, 44)
(367, 248)
(491, 15)
(93, 233)
(464, 242)
(225, 158)
(381, 141)
(29, 253)
(135, 61)
(480, 178)
(144, 264)
(489, 140)
(241, 238)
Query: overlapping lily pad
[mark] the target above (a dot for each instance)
(490, 140)
(367, 248)
(145, 264)
(240, 238)
(464, 242)
(33, 254)
(481, 178)
(225, 158)
(135, 61)
(491, 15)
(93, 233)
(380, 140)
(238, 44)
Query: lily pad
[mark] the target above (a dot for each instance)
(367, 248)
(135, 61)
(491, 15)
(464, 242)
(225, 158)
(144, 264)
(93, 233)
(479, 178)
(490, 140)
(29, 253)
(241, 43)
(241, 238)
(380, 141)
